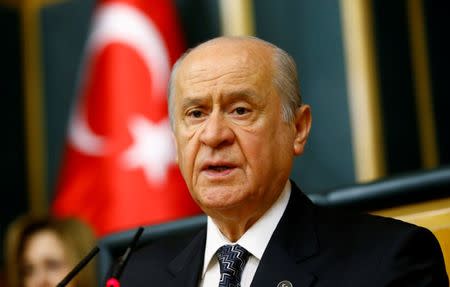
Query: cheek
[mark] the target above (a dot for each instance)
(255, 148)
(186, 154)
(267, 149)
(60, 274)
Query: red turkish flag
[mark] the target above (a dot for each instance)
(119, 170)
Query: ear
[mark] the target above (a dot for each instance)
(302, 128)
(174, 140)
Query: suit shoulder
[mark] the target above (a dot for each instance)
(402, 254)
(359, 230)
(367, 224)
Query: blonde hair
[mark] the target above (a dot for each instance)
(77, 239)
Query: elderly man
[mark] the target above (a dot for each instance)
(238, 122)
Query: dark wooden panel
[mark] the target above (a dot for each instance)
(436, 14)
(397, 96)
(12, 143)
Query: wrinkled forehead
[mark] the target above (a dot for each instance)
(215, 56)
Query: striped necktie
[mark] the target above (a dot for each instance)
(232, 260)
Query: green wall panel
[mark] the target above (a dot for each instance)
(311, 32)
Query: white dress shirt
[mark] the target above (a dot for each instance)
(254, 240)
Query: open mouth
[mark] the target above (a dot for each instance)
(218, 168)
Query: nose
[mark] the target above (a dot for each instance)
(216, 131)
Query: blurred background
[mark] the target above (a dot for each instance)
(373, 71)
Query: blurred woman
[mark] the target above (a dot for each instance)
(40, 251)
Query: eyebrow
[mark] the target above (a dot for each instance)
(245, 94)
(189, 102)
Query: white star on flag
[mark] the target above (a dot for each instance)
(152, 149)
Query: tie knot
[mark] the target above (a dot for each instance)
(232, 259)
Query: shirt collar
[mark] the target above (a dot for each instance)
(255, 239)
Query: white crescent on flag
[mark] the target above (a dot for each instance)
(119, 168)
(124, 24)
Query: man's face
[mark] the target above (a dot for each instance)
(233, 148)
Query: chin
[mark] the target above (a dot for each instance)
(218, 198)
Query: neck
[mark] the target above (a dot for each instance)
(234, 222)
(234, 229)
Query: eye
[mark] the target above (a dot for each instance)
(241, 111)
(54, 264)
(195, 114)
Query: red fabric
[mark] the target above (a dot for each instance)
(97, 183)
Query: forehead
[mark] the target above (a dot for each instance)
(226, 62)
(42, 242)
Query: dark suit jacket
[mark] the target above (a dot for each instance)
(311, 246)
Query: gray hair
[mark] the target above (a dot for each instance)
(285, 81)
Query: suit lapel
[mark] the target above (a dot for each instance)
(293, 242)
(187, 266)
